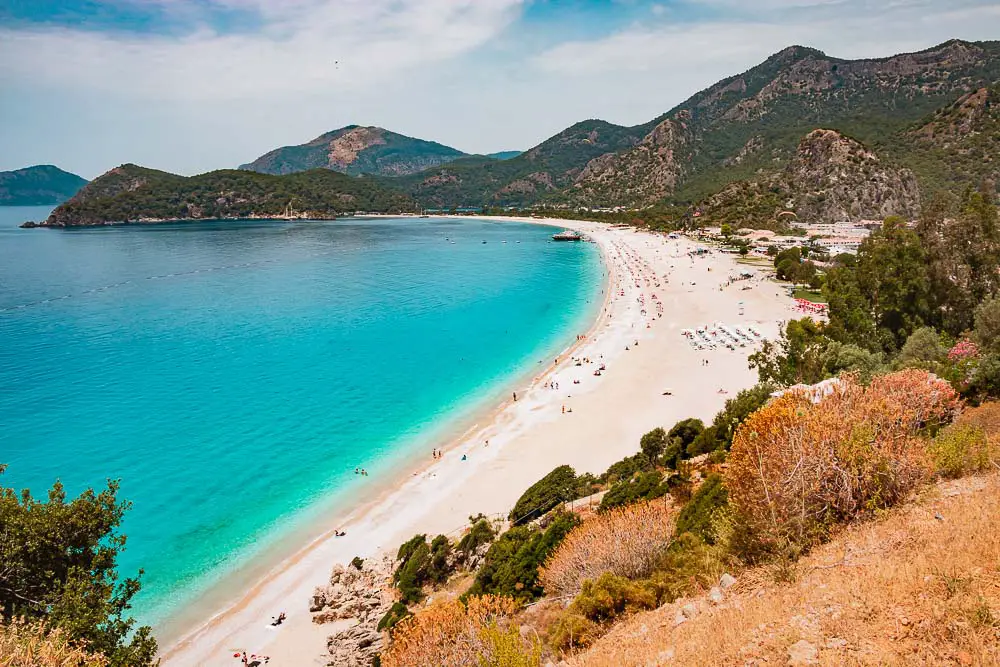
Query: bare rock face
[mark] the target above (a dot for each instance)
(646, 173)
(834, 178)
(361, 598)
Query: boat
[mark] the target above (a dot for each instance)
(567, 235)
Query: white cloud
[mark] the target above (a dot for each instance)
(342, 44)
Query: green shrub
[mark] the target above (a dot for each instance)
(688, 565)
(573, 631)
(421, 564)
(357, 562)
(544, 495)
(610, 595)
(697, 515)
(687, 430)
(645, 486)
(397, 612)
(959, 450)
(626, 468)
(479, 534)
(510, 567)
(720, 434)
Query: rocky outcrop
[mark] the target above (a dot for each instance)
(356, 599)
(639, 176)
(833, 178)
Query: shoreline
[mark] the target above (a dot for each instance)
(401, 469)
(526, 439)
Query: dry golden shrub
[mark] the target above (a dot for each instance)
(625, 541)
(986, 418)
(24, 644)
(451, 634)
(796, 466)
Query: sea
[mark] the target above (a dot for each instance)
(233, 374)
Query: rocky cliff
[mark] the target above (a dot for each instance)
(830, 178)
(356, 150)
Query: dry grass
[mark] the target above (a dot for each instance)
(33, 645)
(625, 541)
(920, 586)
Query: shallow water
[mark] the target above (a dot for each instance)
(233, 374)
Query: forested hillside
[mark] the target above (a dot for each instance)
(130, 193)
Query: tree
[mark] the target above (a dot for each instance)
(555, 488)
(653, 443)
(987, 325)
(892, 275)
(923, 349)
(727, 230)
(686, 430)
(796, 357)
(58, 565)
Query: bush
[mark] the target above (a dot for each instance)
(646, 486)
(421, 564)
(479, 534)
(697, 515)
(960, 449)
(624, 541)
(510, 567)
(626, 468)
(611, 595)
(357, 563)
(686, 430)
(555, 488)
(573, 631)
(481, 632)
(687, 566)
(24, 644)
(796, 465)
(397, 612)
(720, 434)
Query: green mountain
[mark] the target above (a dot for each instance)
(753, 121)
(41, 185)
(748, 126)
(130, 193)
(356, 150)
(525, 179)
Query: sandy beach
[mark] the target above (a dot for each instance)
(653, 377)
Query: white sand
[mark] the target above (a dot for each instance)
(529, 438)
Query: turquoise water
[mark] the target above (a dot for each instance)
(233, 375)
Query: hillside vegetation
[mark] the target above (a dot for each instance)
(42, 185)
(748, 128)
(130, 193)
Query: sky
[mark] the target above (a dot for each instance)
(194, 85)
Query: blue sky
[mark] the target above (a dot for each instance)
(194, 85)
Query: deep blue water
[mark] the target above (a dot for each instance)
(234, 374)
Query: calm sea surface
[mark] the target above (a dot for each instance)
(233, 375)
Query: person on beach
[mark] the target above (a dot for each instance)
(515, 396)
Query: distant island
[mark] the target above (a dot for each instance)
(134, 194)
(41, 185)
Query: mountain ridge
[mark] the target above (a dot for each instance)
(38, 185)
(356, 150)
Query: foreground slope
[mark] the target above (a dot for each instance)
(356, 150)
(130, 193)
(41, 185)
(920, 587)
